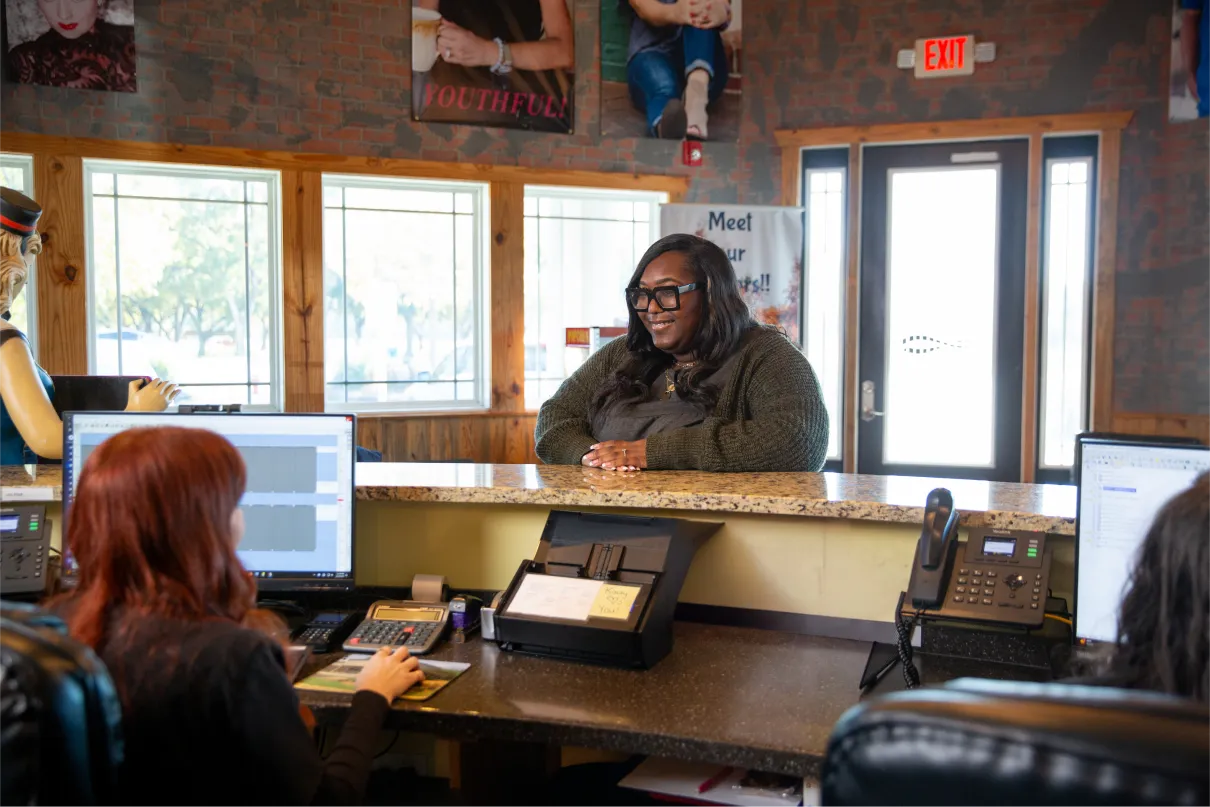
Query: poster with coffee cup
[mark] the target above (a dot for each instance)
(508, 63)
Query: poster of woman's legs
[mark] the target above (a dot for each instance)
(671, 69)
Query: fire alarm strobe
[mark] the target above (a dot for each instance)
(691, 152)
(941, 56)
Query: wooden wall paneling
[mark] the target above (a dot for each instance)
(23, 143)
(508, 296)
(791, 176)
(1151, 423)
(850, 393)
(302, 290)
(62, 277)
(1030, 364)
(477, 437)
(1104, 299)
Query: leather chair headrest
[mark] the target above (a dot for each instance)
(977, 741)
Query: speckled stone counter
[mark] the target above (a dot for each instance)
(893, 499)
(896, 499)
(35, 483)
(733, 696)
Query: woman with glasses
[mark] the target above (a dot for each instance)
(696, 385)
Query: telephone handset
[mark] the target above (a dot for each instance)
(935, 551)
(996, 576)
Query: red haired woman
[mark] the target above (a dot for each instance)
(208, 713)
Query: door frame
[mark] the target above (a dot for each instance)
(1108, 126)
(874, 350)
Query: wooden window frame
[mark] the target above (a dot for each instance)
(62, 313)
(1108, 126)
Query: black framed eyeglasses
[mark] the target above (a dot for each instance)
(668, 298)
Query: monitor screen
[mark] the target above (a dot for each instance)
(1122, 485)
(298, 505)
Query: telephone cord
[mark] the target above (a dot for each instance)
(911, 676)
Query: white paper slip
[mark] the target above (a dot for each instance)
(672, 777)
(555, 597)
(32, 494)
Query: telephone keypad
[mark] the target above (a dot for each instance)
(961, 589)
(972, 599)
(962, 581)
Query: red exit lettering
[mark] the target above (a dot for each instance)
(949, 55)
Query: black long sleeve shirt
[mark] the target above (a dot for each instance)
(210, 718)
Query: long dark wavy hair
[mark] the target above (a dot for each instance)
(1164, 627)
(725, 320)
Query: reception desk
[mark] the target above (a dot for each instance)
(819, 545)
(818, 558)
(816, 546)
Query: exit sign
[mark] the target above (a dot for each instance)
(945, 56)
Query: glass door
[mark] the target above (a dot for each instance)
(942, 296)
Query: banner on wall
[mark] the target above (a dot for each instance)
(84, 45)
(764, 244)
(1189, 79)
(672, 79)
(466, 61)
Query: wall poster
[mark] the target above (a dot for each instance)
(82, 44)
(508, 63)
(764, 244)
(671, 69)
(1189, 80)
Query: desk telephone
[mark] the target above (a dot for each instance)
(1003, 576)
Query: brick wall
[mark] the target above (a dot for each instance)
(333, 77)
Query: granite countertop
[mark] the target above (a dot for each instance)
(744, 697)
(31, 483)
(732, 696)
(898, 499)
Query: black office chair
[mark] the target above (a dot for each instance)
(60, 741)
(975, 741)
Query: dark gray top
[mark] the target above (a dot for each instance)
(663, 411)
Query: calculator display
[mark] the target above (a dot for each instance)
(397, 614)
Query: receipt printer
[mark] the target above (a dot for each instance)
(601, 589)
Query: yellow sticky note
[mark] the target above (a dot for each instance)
(614, 602)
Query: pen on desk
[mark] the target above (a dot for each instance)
(714, 781)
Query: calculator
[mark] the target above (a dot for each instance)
(418, 626)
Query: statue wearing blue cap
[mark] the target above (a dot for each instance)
(29, 425)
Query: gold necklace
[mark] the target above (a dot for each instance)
(671, 384)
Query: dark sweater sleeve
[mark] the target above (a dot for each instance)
(787, 430)
(563, 434)
(274, 742)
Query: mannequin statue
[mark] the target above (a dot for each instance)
(27, 417)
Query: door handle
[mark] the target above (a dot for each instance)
(868, 412)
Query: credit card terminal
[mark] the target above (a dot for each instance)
(418, 626)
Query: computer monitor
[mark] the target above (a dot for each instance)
(298, 505)
(1122, 484)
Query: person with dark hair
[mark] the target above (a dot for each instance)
(1164, 625)
(80, 50)
(696, 384)
(208, 713)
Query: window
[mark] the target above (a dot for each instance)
(1067, 252)
(17, 172)
(404, 295)
(581, 247)
(824, 197)
(183, 272)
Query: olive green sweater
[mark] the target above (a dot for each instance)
(770, 416)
